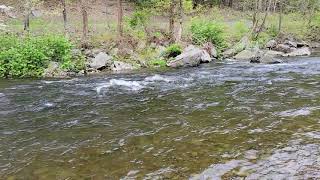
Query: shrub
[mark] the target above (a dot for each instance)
(173, 51)
(272, 31)
(139, 18)
(29, 56)
(158, 63)
(240, 29)
(208, 31)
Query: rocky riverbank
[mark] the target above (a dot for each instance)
(275, 51)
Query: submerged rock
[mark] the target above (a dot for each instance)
(192, 56)
(101, 61)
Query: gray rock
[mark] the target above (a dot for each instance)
(291, 43)
(229, 53)
(283, 48)
(302, 44)
(101, 61)
(121, 66)
(305, 51)
(211, 49)
(271, 44)
(36, 13)
(6, 11)
(315, 45)
(273, 53)
(246, 55)
(54, 71)
(205, 58)
(269, 59)
(192, 56)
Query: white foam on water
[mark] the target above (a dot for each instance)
(128, 85)
(296, 113)
(158, 77)
(48, 104)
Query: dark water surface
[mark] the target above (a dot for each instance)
(218, 121)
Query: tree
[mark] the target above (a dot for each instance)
(172, 19)
(280, 15)
(64, 14)
(28, 6)
(85, 21)
(179, 29)
(120, 18)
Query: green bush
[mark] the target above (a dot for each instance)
(158, 63)
(273, 31)
(29, 56)
(139, 18)
(208, 31)
(173, 51)
(240, 29)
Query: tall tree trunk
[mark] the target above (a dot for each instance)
(120, 18)
(64, 14)
(280, 15)
(172, 20)
(85, 21)
(26, 22)
(255, 17)
(107, 13)
(179, 30)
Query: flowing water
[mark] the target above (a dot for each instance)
(219, 121)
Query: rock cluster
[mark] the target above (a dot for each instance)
(273, 52)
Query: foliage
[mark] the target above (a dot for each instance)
(172, 51)
(240, 29)
(158, 63)
(139, 18)
(29, 56)
(272, 31)
(208, 31)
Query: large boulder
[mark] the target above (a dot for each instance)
(284, 48)
(247, 55)
(301, 44)
(192, 56)
(305, 51)
(291, 44)
(271, 44)
(211, 49)
(101, 61)
(315, 45)
(6, 11)
(119, 66)
(269, 59)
